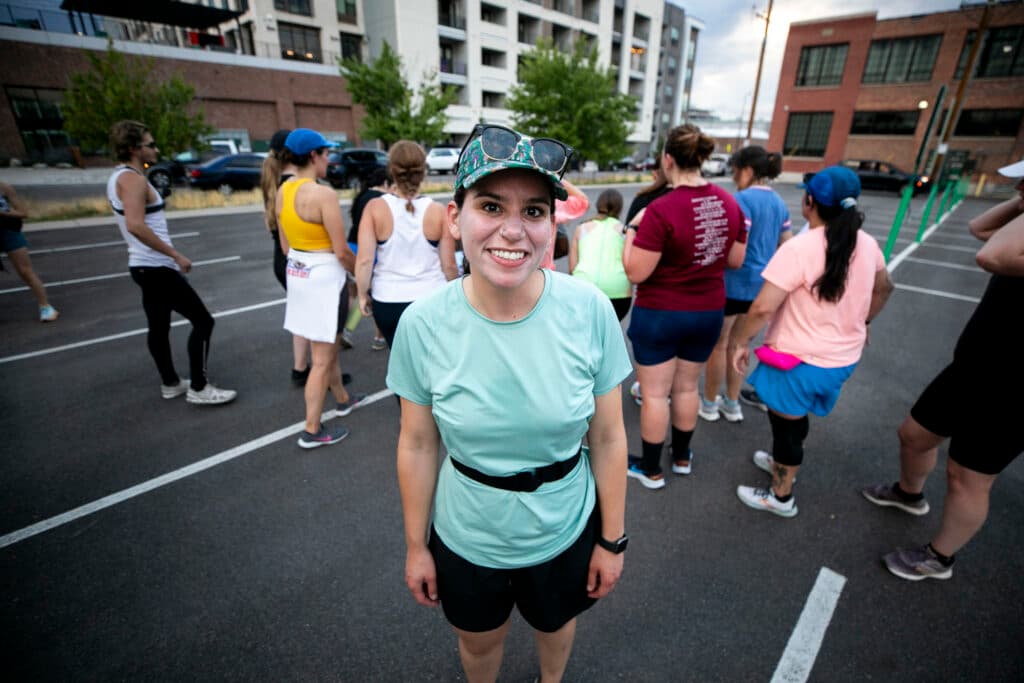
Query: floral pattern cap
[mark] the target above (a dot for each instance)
(476, 164)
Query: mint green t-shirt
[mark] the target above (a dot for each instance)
(509, 397)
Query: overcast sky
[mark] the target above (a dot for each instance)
(728, 50)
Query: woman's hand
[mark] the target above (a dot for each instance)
(605, 570)
(741, 359)
(421, 576)
(365, 305)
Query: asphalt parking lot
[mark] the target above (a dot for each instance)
(150, 539)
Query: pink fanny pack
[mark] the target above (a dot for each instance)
(776, 359)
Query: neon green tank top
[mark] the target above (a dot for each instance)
(600, 258)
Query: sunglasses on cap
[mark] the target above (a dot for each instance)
(499, 143)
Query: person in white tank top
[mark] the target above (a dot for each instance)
(405, 251)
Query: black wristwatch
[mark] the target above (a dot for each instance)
(617, 546)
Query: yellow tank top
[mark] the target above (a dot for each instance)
(301, 234)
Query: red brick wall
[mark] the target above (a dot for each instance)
(260, 100)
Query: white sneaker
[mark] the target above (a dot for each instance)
(174, 390)
(634, 391)
(766, 462)
(764, 499)
(730, 410)
(211, 395)
(709, 409)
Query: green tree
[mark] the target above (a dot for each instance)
(571, 98)
(393, 111)
(118, 87)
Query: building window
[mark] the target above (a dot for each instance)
(40, 122)
(299, 42)
(449, 13)
(999, 56)
(989, 123)
(492, 14)
(671, 65)
(347, 11)
(807, 134)
(494, 100)
(673, 34)
(821, 65)
(351, 46)
(294, 6)
(885, 122)
(492, 58)
(902, 60)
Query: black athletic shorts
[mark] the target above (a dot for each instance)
(983, 427)
(548, 595)
(736, 306)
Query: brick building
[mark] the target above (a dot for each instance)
(854, 87)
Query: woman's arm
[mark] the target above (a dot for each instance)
(1003, 254)
(18, 208)
(435, 229)
(737, 254)
(986, 225)
(880, 292)
(607, 440)
(418, 445)
(574, 248)
(334, 224)
(761, 311)
(367, 251)
(133, 191)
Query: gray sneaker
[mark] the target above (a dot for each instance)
(354, 401)
(884, 495)
(916, 564)
(210, 396)
(325, 437)
(750, 397)
(174, 390)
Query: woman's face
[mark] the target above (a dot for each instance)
(743, 176)
(320, 162)
(505, 225)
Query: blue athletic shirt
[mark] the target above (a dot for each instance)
(508, 397)
(769, 218)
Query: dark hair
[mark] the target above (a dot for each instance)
(373, 178)
(407, 163)
(299, 160)
(763, 163)
(609, 203)
(688, 146)
(125, 136)
(841, 226)
(659, 180)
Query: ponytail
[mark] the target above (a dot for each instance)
(765, 165)
(841, 226)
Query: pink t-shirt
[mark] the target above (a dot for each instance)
(828, 335)
(572, 208)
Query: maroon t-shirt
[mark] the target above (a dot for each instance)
(693, 228)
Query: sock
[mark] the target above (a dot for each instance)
(783, 499)
(944, 560)
(681, 444)
(651, 456)
(904, 496)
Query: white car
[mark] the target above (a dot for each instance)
(442, 159)
(716, 165)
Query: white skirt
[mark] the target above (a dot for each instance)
(314, 281)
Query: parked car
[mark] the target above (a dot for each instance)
(715, 165)
(229, 172)
(442, 159)
(623, 164)
(645, 164)
(168, 172)
(881, 175)
(345, 167)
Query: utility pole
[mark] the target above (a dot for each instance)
(961, 90)
(767, 16)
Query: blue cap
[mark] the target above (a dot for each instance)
(303, 141)
(834, 186)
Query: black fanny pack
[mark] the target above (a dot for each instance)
(522, 481)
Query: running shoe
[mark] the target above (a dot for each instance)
(730, 410)
(210, 395)
(354, 401)
(634, 391)
(764, 461)
(750, 397)
(679, 468)
(47, 314)
(917, 564)
(379, 344)
(886, 496)
(764, 499)
(346, 340)
(651, 480)
(709, 409)
(324, 437)
(174, 390)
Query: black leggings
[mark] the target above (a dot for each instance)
(280, 261)
(386, 315)
(165, 290)
(622, 306)
(788, 439)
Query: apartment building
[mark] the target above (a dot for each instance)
(679, 35)
(855, 87)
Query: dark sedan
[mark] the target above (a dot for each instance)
(227, 173)
(881, 175)
(345, 167)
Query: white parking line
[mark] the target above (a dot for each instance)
(131, 333)
(111, 276)
(898, 259)
(943, 264)
(937, 292)
(952, 247)
(169, 478)
(97, 245)
(805, 641)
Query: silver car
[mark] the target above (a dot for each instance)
(442, 159)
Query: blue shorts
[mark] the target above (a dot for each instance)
(804, 389)
(11, 240)
(660, 336)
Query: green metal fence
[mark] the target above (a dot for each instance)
(952, 194)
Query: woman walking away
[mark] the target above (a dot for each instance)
(372, 185)
(677, 257)
(523, 515)
(318, 256)
(14, 244)
(768, 221)
(595, 253)
(404, 250)
(821, 290)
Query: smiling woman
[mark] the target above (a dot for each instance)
(489, 364)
